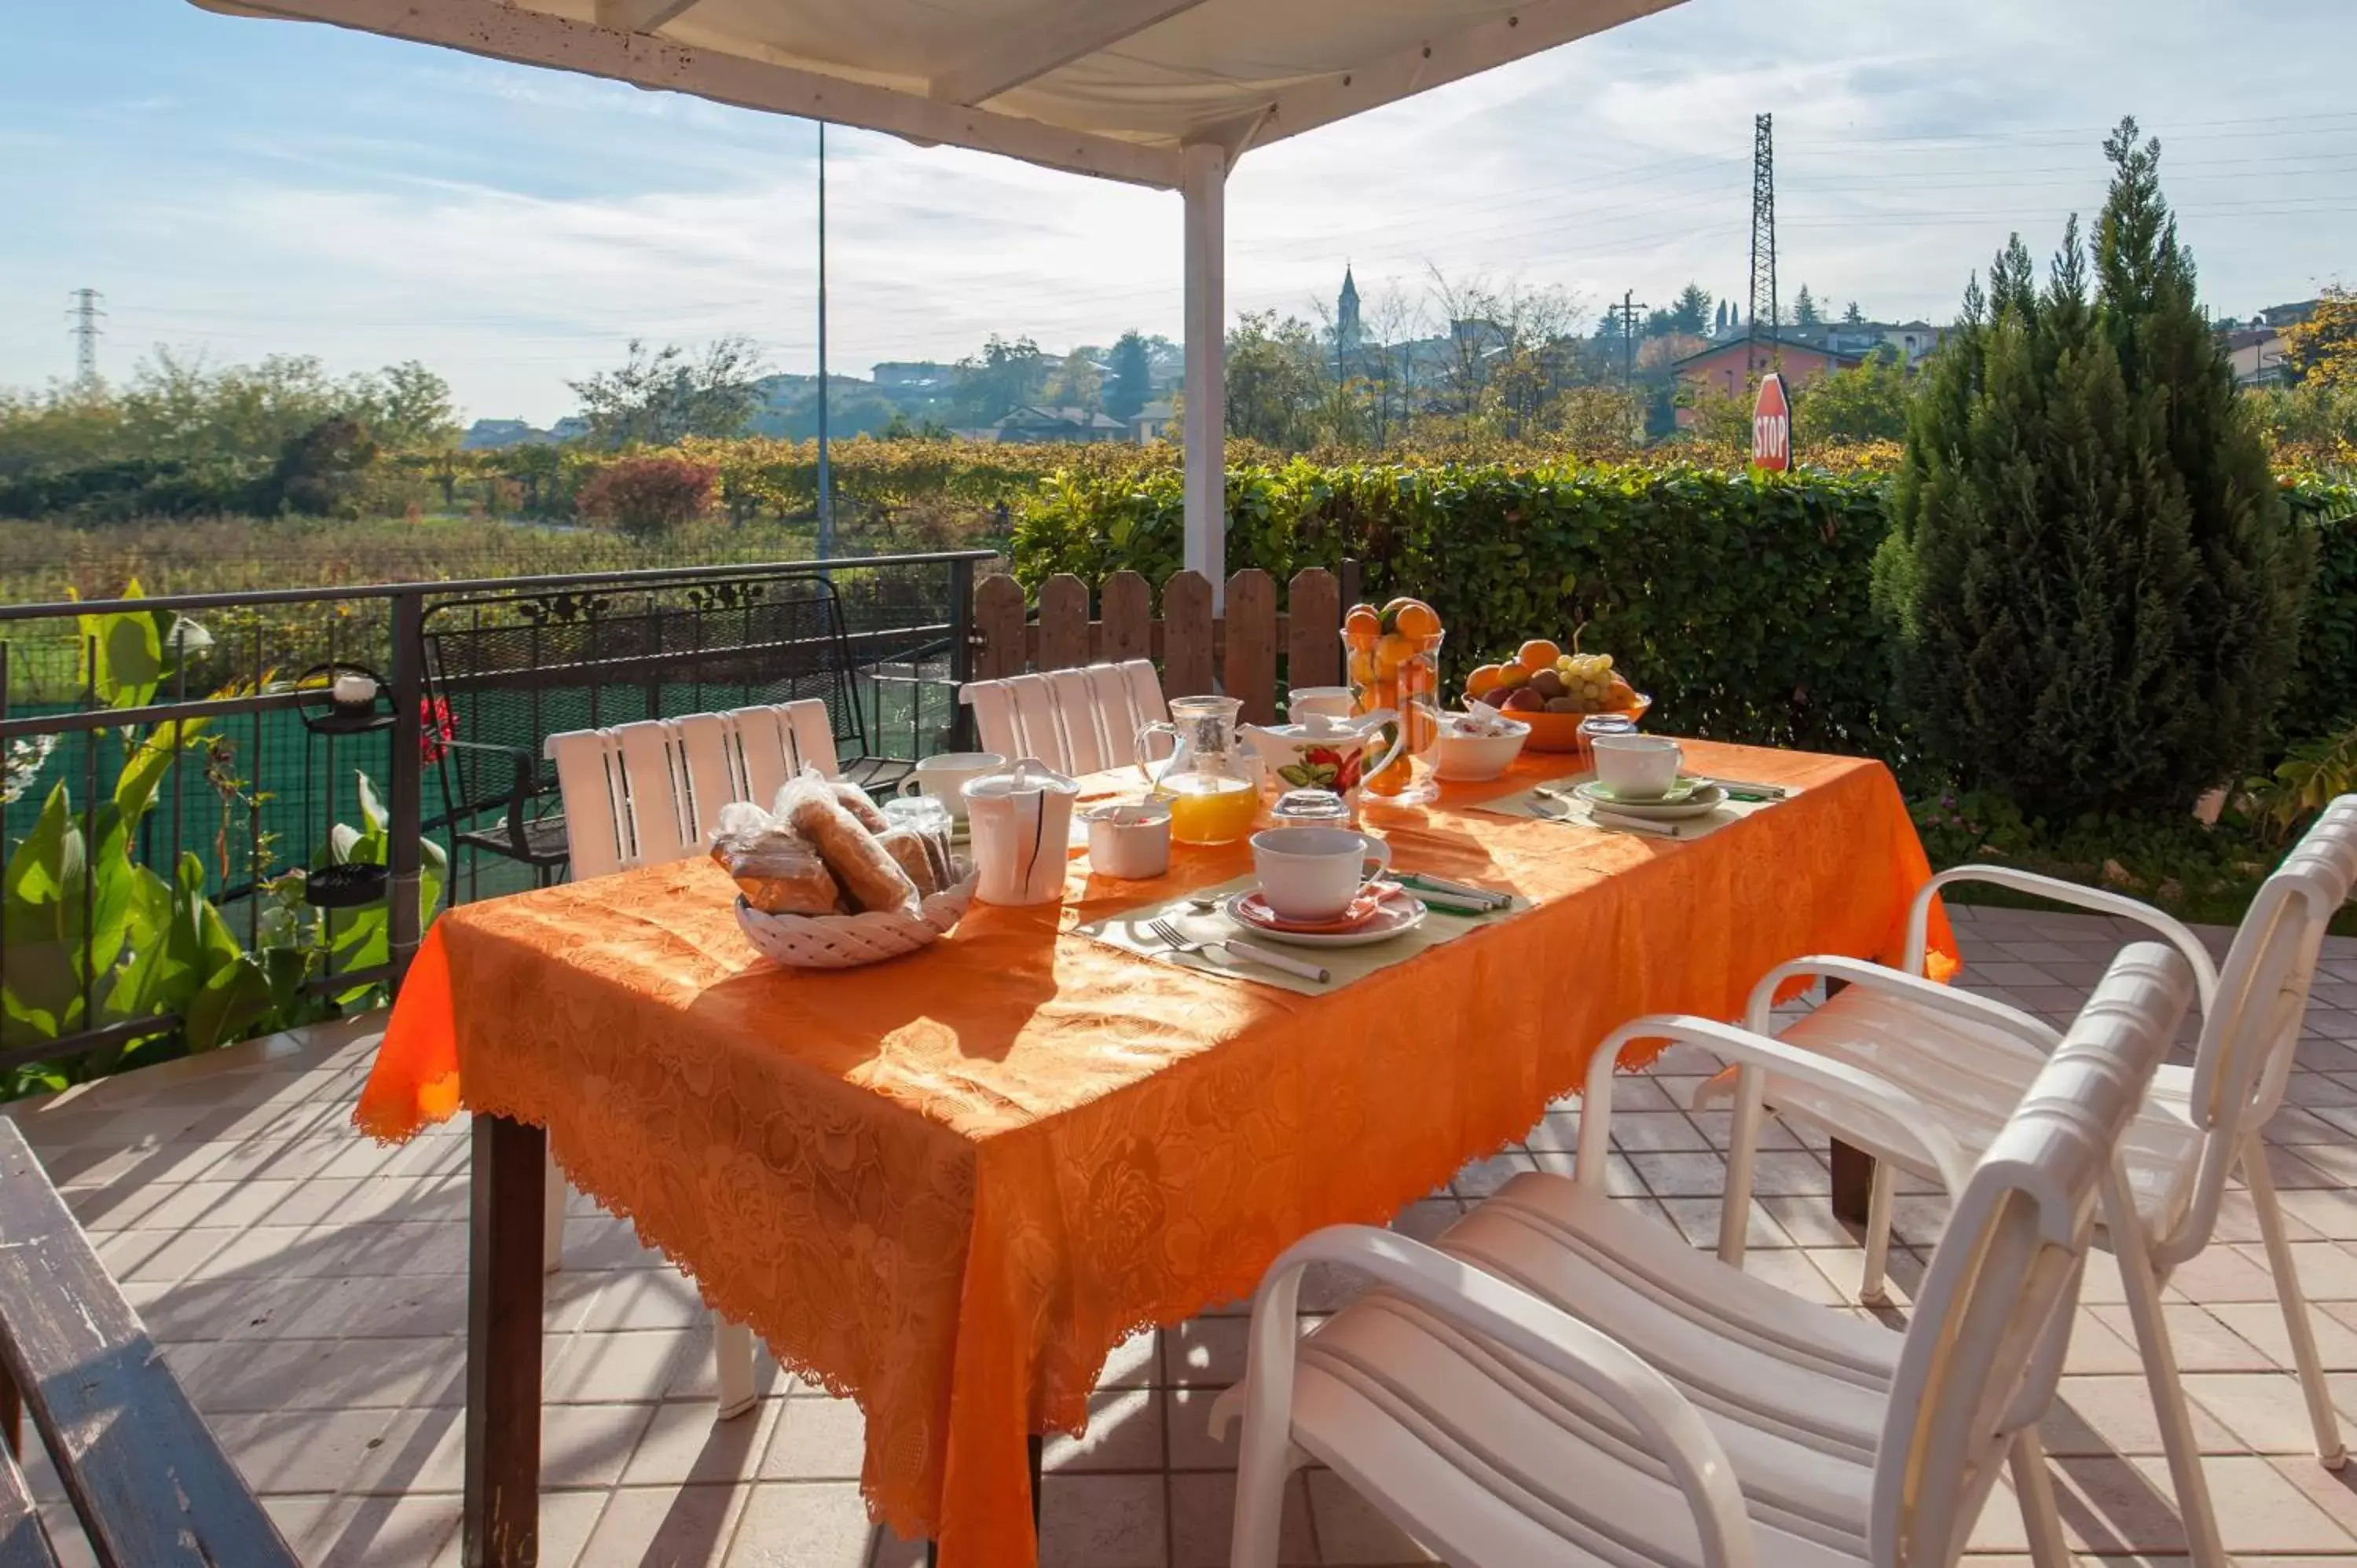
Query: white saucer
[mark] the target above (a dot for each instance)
(1702, 802)
(1395, 916)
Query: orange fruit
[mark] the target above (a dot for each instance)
(1483, 678)
(1363, 626)
(1417, 618)
(1389, 781)
(1394, 653)
(1363, 664)
(1418, 678)
(1620, 694)
(1537, 654)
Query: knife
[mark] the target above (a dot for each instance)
(1259, 954)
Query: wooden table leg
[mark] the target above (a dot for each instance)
(1853, 1182)
(1853, 1169)
(501, 1522)
(1034, 1446)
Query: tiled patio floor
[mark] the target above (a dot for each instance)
(308, 1287)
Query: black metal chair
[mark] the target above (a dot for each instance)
(506, 672)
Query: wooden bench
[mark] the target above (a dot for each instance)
(151, 1486)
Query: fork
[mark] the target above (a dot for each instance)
(1167, 931)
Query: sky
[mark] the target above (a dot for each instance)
(236, 188)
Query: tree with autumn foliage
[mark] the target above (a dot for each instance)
(2322, 351)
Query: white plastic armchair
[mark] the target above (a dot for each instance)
(1077, 721)
(2095, 900)
(1666, 1421)
(1484, 1394)
(1898, 1117)
(649, 792)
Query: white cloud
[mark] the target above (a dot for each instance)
(514, 228)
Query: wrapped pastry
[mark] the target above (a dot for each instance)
(912, 851)
(870, 877)
(855, 799)
(776, 871)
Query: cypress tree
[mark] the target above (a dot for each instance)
(2094, 580)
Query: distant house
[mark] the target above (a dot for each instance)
(1032, 423)
(491, 434)
(910, 375)
(1726, 367)
(1151, 423)
(2256, 353)
(1915, 340)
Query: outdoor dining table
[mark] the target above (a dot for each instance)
(948, 1185)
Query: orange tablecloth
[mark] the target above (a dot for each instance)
(948, 1185)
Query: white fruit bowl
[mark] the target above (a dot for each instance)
(1472, 758)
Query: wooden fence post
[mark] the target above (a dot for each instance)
(998, 617)
(1250, 668)
(1063, 623)
(1128, 610)
(1313, 654)
(1187, 663)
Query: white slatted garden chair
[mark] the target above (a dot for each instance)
(639, 794)
(1967, 1060)
(1562, 1381)
(1076, 721)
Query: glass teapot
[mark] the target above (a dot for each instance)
(1209, 779)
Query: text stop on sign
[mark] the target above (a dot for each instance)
(1771, 425)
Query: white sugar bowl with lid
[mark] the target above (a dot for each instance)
(1022, 827)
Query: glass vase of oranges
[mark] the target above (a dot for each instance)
(1394, 659)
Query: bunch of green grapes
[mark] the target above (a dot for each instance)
(1586, 679)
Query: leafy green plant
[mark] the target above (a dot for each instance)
(95, 940)
(2309, 778)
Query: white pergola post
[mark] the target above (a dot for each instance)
(1204, 182)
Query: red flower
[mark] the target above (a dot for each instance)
(437, 727)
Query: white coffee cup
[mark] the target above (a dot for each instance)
(1312, 874)
(944, 777)
(1637, 767)
(1328, 702)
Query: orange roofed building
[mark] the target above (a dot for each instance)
(1727, 369)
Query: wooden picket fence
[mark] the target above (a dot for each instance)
(1237, 653)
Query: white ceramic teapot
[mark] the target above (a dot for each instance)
(1021, 822)
(1322, 751)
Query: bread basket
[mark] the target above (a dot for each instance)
(846, 941)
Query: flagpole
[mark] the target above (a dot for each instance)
(825, 478)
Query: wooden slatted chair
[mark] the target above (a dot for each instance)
(1076, 721)
(1561, 1381)
(640, 794)
(149, 1484)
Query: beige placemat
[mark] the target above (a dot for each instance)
(1563, 806)
(1128, 931)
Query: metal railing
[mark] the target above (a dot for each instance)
(177, 776)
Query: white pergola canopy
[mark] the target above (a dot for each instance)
(1159, 92)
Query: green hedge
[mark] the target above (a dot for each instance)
(2324, 694)
(1739, 601)
(1739, 604)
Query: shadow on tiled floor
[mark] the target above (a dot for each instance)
(308, 1287)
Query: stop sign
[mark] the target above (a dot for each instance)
(1771, 425)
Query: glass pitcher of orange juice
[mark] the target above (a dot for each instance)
(1207, 780)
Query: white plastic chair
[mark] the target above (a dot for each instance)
(1077, 721)
(639, 794)
(1967, 1058)
(1561, 1381)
